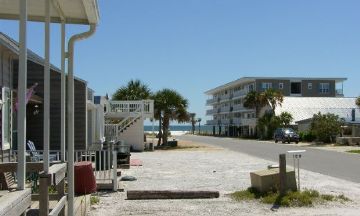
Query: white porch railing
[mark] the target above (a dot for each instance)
(145, 107)
(104, 164)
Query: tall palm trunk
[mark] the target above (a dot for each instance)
(166, 123)
(159, 134)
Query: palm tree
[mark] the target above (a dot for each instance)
(169, 106)
(199, 120)
(274, 98)
(255, 100)
(134, 90)
(192, 121)
(285, 119)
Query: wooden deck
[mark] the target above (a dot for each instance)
(15, 202)
(81, 206)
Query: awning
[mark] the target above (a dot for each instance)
(72, 11)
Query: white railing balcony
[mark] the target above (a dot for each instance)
(238, 107)
(225, 109)
(211, 111)
(339, 92)
(211, 101)
(225, 97)
(239, 93)
(126, 108)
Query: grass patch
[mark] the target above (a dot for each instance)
(305, 198)
(94, 200)
(354, 151)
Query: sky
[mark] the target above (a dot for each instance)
(194, 45)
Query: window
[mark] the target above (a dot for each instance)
(250, 87)
(309, 86)
(6, 116)
(281, 85)
(324, 88)
(265, 86)
(296, 88)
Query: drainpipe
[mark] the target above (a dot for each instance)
(63, 93)
(70, 106)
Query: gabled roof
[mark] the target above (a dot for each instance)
(71, 11)
(13, 46)
(302, 108)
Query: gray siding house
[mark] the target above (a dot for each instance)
(9, 79)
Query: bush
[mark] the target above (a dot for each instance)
(307, 136)
(326, 127)
(305, 198)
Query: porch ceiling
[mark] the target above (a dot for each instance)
(73, 11)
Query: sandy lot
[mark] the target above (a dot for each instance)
(201, 167)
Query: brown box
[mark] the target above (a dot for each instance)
(266, 180)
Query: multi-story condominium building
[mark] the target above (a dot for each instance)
(226, 102)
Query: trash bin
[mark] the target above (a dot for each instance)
(85, 182)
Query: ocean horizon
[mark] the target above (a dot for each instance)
(180, 128)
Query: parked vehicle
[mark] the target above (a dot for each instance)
(286, 135)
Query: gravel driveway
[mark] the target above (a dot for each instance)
(214, 169)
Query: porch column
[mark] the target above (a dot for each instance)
(63, 93)
(22, 84)
(47, 88)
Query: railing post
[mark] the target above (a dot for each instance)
(44, 182)
(115, 182)
(61, 192)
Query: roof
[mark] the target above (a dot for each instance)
(244, 80)
(303, 108)
(72, 11)
(13, 46)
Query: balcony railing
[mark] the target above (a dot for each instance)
(225, 109)
(211, 101)
(211, 111)
(239, 93)
(225, 97)
(145, 107)
(238, 107)
(339, 92)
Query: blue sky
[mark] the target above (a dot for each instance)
(195, 45)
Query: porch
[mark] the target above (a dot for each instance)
(49, 174)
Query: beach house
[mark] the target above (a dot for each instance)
(63, 12)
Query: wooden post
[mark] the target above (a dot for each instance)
(61, 192)
(282, 173)
(44, 182)
(114, 163)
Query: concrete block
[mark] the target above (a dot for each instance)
(266, 180)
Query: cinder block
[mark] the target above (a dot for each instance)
(266, 180)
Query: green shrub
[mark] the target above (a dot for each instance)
(94, 200)
(326, 127)
(303, 198)
(307, 136)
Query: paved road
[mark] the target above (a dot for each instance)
(337, 164)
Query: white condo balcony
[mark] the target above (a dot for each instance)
(239, 93)
(212, 101)
(225, 109)
(211, 111)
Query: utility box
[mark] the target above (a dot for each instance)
(266, 180)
